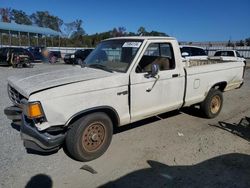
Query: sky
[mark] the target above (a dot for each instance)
(187, 20)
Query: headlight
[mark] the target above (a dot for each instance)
(72, 56)
(33, 110)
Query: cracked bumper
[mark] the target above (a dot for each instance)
(33, 139)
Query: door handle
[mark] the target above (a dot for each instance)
(175, 75)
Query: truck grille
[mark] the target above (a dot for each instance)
(15, 96)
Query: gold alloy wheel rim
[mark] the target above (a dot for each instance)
(215, 104)
(93, 137)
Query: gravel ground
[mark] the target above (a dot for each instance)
(177, 149)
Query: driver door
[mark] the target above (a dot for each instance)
(154, 95)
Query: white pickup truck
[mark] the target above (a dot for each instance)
(229, 55)
(122, 81)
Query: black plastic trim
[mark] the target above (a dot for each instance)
(93, 110)
(44, 140)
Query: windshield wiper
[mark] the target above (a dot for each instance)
(99, 66)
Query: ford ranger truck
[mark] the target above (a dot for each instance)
(123, 80)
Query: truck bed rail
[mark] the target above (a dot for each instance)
(209, 61)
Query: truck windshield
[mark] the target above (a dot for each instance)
(113, 55)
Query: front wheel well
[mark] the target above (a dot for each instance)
(113, 115)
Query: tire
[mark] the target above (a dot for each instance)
(89, 137)
(212, 105)
(79, 61)
(19, 65)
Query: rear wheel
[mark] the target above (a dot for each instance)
(89, 137)
(212, 105)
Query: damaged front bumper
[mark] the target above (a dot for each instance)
(41, 141)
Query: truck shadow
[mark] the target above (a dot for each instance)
(241, 129)
(193, 111)
(230, 170)
(145, 122)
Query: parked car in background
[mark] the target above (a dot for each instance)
(7, 52)
(37, 53)
(230, 55)
(193, 52)
(56, 54)
(78, 57)
(43, 54)
(20, 61)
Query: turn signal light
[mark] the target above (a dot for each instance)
(34, 110)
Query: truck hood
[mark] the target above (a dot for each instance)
(39, 80)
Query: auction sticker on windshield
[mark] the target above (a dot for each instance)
(131, 45)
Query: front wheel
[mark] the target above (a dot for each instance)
(89, 136)
(212, 105)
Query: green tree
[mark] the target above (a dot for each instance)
(45, 19)
(141, 31)
(247, 41)
(74, 29)
(118, 32)
(230, 44)
(240, 43)
(131, 34)
(156, 33)
(77, 29)
(69, 29)
(5, 14)
(20, 17)
(121, 31)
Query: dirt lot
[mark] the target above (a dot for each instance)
(177, 149)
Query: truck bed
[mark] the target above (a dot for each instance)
(201, 75)
(209, 61)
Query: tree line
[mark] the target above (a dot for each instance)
(245, 42)
(73, 33)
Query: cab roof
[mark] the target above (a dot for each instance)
(142, 38)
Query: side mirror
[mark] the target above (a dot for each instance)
(184, 54)
(154, 71)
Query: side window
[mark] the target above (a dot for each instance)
(157, 53)
(152, 50)
(166, 50)
(238, 54)
(24, 52)
(217, 54)
(198, 52)
(186, 49)
(231, 53)
(224, 53)
(18, 51)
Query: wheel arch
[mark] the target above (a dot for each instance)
(111, 112)
(220, 85)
